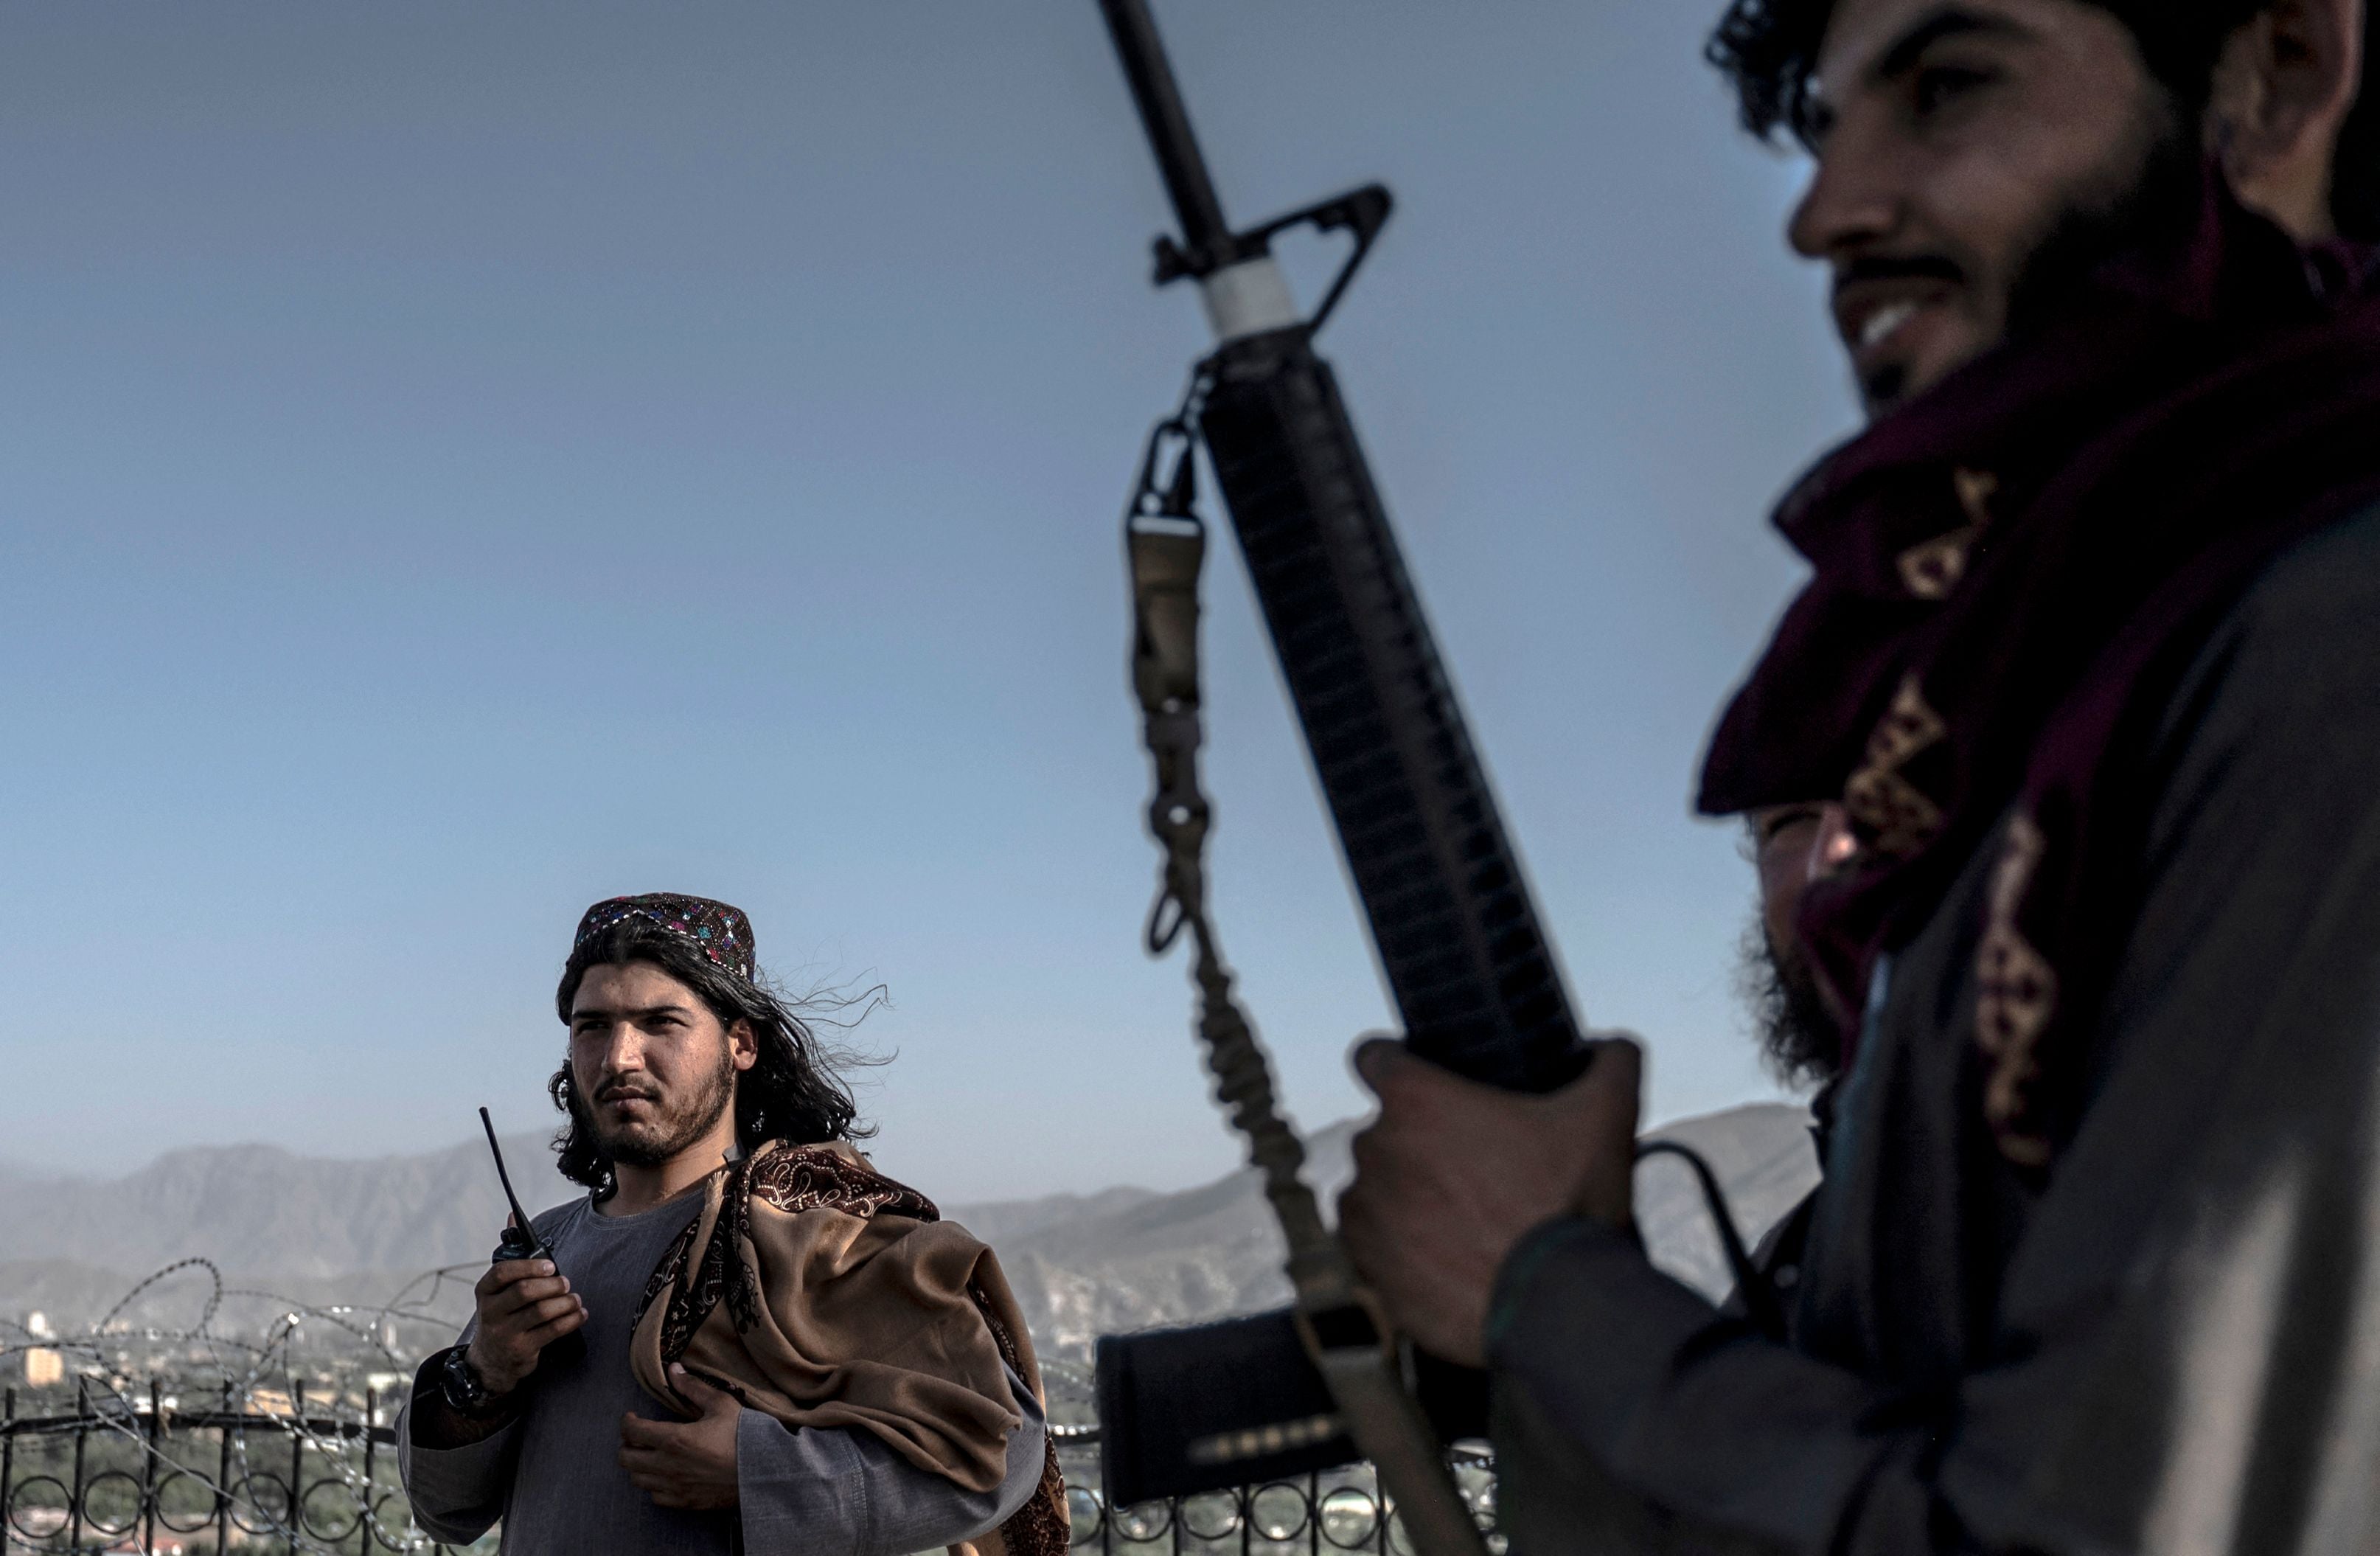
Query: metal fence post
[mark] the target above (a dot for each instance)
(82, 1430)
(149, 1471)
(8, 1462)
(223, 1479)
(371, 1442)
(297, 1458)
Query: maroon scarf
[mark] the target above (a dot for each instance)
(2012, 575)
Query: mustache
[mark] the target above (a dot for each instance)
(614, 1087)
(1898, 267)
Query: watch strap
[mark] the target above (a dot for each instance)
(464, 1391)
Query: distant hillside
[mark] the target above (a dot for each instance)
(1082, 1264)
(261, 1210)
(1213, 1251)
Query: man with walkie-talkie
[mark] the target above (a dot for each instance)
(744, 1337)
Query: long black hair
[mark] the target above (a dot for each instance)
(793, 1092)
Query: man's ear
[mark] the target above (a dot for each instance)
(2283, 88)
(743, 1044)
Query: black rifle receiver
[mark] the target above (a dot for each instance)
(1457, 936)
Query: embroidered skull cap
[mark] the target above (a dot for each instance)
(721, 933)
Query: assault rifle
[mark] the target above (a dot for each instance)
(1442, 892)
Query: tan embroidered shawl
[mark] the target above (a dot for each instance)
(818, 1291)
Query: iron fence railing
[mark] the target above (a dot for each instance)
(1341, 1510)
(138, 1472)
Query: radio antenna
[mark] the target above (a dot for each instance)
(536, 1248)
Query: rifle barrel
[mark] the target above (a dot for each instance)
(1205, 234)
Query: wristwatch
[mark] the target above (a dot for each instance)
(466, 1393)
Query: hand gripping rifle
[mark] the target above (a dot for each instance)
(1450, 914)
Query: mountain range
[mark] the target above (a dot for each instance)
(321, 1231)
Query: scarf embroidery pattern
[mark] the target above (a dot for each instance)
(791, 1178)
(2017, 994)
(1899, 818)
(665, 1278)
(1931, 569)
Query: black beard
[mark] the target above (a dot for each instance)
(1798, 1037)
(1885, 388)
(663, 1140)
(2157, 212)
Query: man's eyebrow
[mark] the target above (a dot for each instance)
(1815, 115)
(600, 1013)
(1946, 21)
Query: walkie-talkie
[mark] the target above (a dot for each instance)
(521, 1241)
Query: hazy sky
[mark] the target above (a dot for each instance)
(461, 460)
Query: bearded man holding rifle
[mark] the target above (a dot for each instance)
(2091, 658)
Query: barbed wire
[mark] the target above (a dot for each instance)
(247, 1371)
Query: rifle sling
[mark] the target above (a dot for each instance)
(1361, 1363)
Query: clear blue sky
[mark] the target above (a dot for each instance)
(461, 460)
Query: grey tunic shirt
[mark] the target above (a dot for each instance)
(2172, 1346)
(553, 1473)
